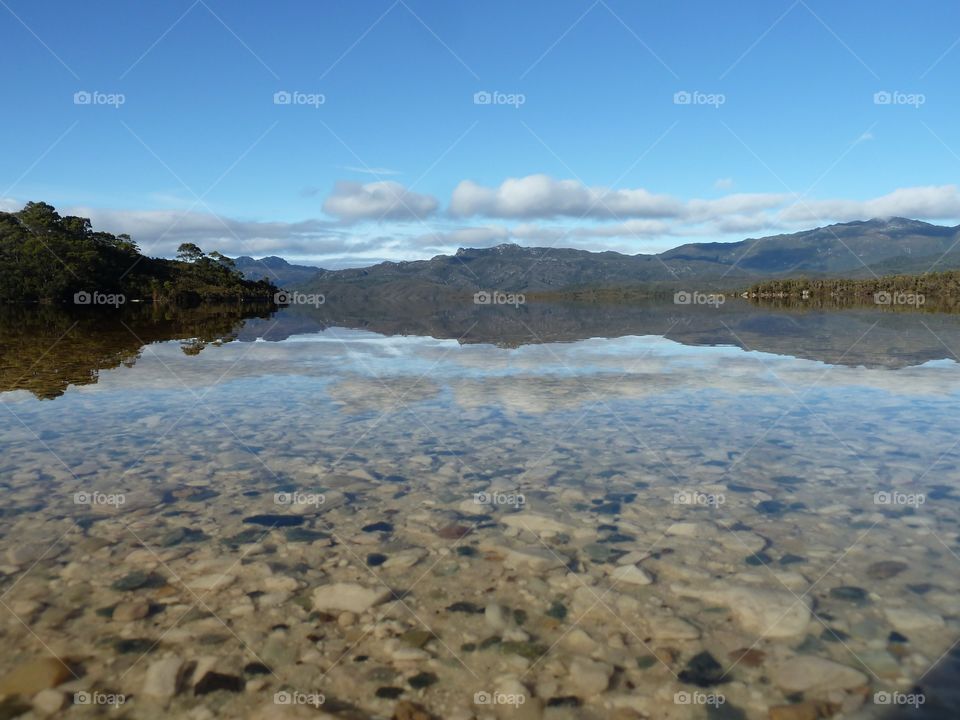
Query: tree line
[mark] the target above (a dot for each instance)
(46, 257)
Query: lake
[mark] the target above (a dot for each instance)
(551, 510)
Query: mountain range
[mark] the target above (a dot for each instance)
(858, 249)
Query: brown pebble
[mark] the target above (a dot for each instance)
(453, 532)
(800, 711)
(32, 677)
(750, 657)
(885, 569)
(407, 710)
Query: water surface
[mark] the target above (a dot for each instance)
(572, 504)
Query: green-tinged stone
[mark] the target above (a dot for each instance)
(13, 707)
(597, 552)
(446, 569)
(416, 638)
(850, 593)
(528, 650)
(245, 537)
(834, 635)
(139, 579)
(618, 537)
(726, 711)
(557, 610)
(381, 675)
(885, 569)
(466, 551)
(182, 535)
(489, 642)
(135, 645)
(300, 534)
(422, 680)
(468, 647)
(211, 639)
(519, 616)
(463, 606)
(810, 644)
(646, 661)
(609, 508)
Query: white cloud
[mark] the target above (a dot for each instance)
(382, 200)
(541, 196)
(725, 183)
(932, 202)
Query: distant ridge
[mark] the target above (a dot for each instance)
(853, 249)
(275, 269)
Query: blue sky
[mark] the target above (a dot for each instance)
(587, 144)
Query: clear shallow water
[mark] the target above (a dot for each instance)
(678, 499)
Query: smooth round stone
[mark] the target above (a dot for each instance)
(130, 611)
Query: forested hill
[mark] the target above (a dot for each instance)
(47, 257)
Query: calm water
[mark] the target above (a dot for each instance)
(547, 511)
